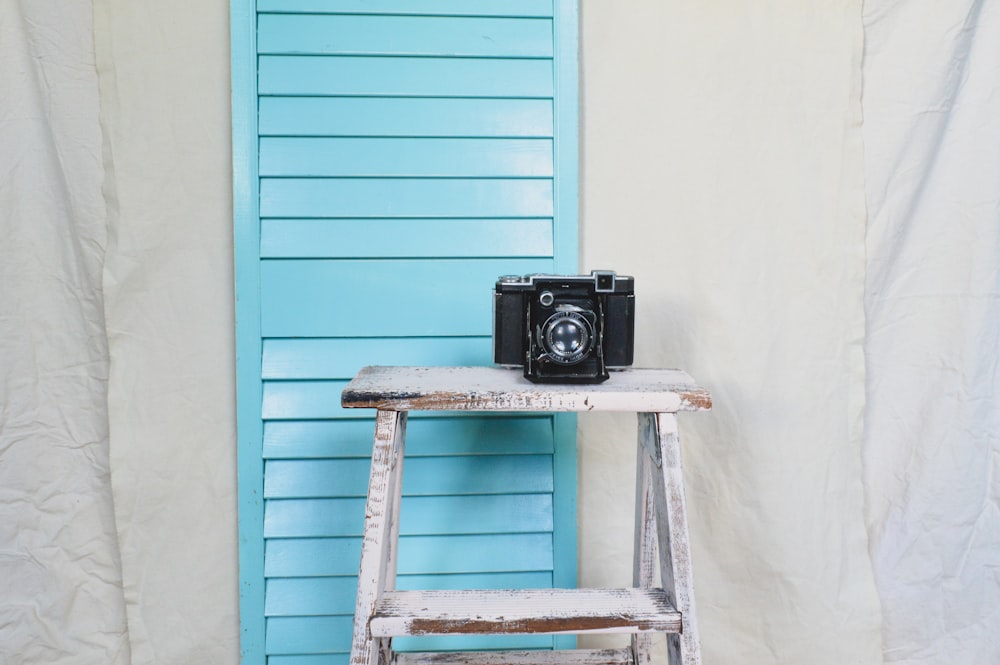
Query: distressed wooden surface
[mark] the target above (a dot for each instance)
(488, 612)
(377, 571)
(661, 525)
(644, 561)
(502, 389)
(558, 657)
(660, 443)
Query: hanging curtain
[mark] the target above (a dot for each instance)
(932, 342)
(61, 597)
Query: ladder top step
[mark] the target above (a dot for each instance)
(486, 612)
(500, 389)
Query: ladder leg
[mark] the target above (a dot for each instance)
(377, 572)
(660, 437)
(644, 550)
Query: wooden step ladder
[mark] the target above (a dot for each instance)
(661, 534)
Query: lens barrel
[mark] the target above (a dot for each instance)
(567, 337)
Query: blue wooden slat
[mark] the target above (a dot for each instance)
(344, 34)
(405, 238)
(310, 659)
(511, 513)
(405, 197)
(333, 634)
(304, 557)
(305, 399)
(425, 476)
(530, 580)
(296, 635)
(459, 560)
(402, 76)
(285, 479)
(404, 116)
(341, 358)
(466, 559)
(368, 298)
(310, 596)
(424, 7)
(405, 157)
(424, 436)
(293, 518)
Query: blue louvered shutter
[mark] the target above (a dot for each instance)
(397, 156)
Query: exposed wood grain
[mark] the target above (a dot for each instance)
(500, 389)
(559, 657)
(523, 611)
(644, 560)
(659, 435)
(660, 527)
(381, 533)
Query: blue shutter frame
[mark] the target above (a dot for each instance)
(391, 159)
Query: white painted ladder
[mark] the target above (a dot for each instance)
(382, 612)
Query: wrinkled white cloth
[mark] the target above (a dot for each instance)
(60, 577)
(932, 427)
(168, 286)
(723, 167)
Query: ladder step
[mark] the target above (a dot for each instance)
(558, 657)
(486, 612)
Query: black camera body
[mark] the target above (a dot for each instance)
(564, 328)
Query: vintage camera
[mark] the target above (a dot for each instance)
(564, 328)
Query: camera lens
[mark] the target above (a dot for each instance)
(567, 337)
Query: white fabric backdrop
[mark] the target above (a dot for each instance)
(722, 164)
(723, 167)
(168, 282)
(932, 438)
(60, 581)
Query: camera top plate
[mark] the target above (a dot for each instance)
(603, 281)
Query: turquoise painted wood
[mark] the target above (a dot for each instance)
(319, 439)
(526, 8)
(406, 157)
(405, 117)
(341, 358)
(345, 34)
(406, 197)
(322, 298)
(507, 513)
(474, 560)
(403, 76)
(310, 596)
(458, 474)
(392, 158)
(246, 239)
(405, 238)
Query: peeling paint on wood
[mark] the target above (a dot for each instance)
(558, 657)
(501, 389)
(492, 612)
(661, 524)
(378, 560)
(660, 442)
